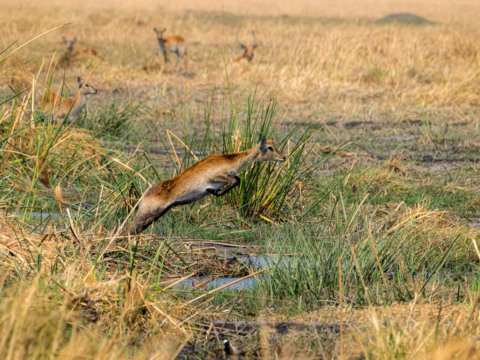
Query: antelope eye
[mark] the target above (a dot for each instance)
(270, 148)
(87, 85)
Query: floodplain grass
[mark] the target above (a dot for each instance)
(381, 127)
(358, 70)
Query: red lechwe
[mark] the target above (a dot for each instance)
(70, 52)
(61, 107)
(174, 43)
(214, 175)
(248, 51)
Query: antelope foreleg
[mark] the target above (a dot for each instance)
(221, 192)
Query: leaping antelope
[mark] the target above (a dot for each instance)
(214, 175)
(248, 51)
(69, 49)
(174, 43)
(60, 106)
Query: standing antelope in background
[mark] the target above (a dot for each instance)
(69, 44)
(206, 177)
(174, 43)
(248, 50)
(60, 106)
(70, 52)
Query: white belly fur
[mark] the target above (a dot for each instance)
(193, 195)
(217, 186)
(200, 192)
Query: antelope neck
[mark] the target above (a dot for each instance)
(161, 44)
(80, 100)
(249, 156)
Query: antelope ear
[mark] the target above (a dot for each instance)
(64, 40)
(80, 82)
(74, 40)
(262, 143)
(164, 30)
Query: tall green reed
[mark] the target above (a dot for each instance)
(279, 191)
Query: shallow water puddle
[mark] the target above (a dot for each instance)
(208, 283)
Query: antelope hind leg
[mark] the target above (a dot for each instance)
(147, 214)
(177, 53)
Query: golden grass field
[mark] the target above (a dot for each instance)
(66, 296)
(330, 59)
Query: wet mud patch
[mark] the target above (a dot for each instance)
(398, 138)
(254, 327)
(431, 159)
(353, 124)
(420, 122)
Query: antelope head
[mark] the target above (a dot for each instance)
(69, 44)
(248, 50)
(269, 151)
(86, 89)
(160, 33)
(160, 40)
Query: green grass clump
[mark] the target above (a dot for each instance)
(279, 191)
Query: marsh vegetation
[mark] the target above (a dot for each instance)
(362, 245)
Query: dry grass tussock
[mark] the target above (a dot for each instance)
(417, 331)
(114, 311)
(58, 247)
(423, 226)
(95, 321)
(38, 153)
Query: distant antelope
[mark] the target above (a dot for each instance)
(69, 44)
(60, 106)
(248, 50)
(206, 177)
(174, 43)
(69, 49)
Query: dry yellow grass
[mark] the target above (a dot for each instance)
(330, 58)
(414, 331)
(437, 9)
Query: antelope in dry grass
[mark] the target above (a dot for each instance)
(69, 44)
(248, 51)
(71, 53)
(60, 106)
(214, 175)
(174, 43)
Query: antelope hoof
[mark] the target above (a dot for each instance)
(213, 192)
